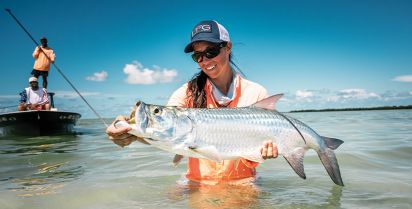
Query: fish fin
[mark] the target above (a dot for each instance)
(255, 157)
(332, 142)
(209, 152)
(268, 103)
(177, 159)
(331, 165)
(295, 160)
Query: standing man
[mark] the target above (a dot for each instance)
(42, 63)
(34, 97)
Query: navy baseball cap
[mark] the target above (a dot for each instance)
(208, 30)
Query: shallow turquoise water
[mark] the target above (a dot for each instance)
(89, 171)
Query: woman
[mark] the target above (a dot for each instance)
(217, 85)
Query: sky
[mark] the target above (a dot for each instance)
(320, 54)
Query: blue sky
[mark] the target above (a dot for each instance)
(321, 54)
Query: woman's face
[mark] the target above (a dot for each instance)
(213, 67)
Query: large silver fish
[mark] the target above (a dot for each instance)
(230, 133)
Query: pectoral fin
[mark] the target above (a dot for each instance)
(255, 157)
(295, 160)
(209, 152)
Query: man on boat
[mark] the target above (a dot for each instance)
(34, 97)
(42, 64)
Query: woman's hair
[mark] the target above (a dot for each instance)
(196, 86)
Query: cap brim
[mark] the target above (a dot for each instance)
(189, 47)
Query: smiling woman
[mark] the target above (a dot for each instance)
(217, 85)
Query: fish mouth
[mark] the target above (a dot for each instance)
(141, 118)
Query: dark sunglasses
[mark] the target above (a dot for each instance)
(210, 52)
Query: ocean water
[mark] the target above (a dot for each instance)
(89, 171)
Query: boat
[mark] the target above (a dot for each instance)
(38, 122)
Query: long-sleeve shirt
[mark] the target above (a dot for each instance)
(245, 93)
(42, 63)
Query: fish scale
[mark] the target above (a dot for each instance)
(250, 125)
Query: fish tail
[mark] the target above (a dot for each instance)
(331, 165)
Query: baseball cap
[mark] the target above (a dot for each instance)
(43, 38)
(207, 30)
(32, 79)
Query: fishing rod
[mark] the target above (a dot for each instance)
(55, 66)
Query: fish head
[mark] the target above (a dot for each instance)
(161, 123)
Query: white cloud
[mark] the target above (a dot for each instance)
(303, 94)
(357, 94)
(353, 95)
(98, 76)
(137, 74)
(403, 78)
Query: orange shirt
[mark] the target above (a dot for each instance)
(201, 170)
(42, 63)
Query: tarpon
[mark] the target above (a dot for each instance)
(230, 133)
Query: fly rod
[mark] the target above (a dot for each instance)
(55, 66)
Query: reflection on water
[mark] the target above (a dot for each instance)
(38, 165)
(217, 196)
(252, 196)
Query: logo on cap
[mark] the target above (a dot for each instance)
(201, 29)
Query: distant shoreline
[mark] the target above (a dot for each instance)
(357, 109)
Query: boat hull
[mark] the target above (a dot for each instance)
(38, 123)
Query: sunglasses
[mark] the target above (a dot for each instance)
(209, 52)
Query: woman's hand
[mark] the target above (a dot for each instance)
(120, 136)
(269, 150)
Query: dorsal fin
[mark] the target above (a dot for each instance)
(268, 103)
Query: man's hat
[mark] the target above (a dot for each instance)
(32, 79)
(43, 38)
(210, 31)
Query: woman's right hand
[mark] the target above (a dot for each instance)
(120, 136)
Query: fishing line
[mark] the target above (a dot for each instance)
(55, 66)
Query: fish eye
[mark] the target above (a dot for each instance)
(156, 111)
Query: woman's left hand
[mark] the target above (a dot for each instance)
(269, 150)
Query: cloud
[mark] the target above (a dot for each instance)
(137, 74)
(357, 94)
(98, 76)
(403, 78)
(303, 94)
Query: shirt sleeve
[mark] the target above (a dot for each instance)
(178, 97)
(52, 55)
(23, 96)
(36, 52)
